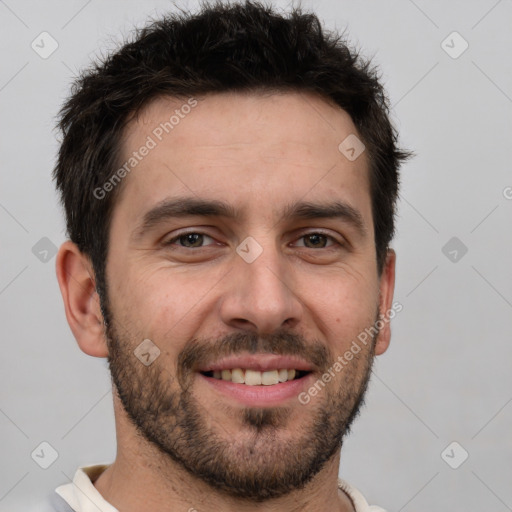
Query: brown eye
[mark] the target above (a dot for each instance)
(190, 240)
(316, 241)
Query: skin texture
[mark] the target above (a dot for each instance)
(181, 443)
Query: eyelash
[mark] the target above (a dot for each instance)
(177, 237)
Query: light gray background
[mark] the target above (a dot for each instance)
(446, 376)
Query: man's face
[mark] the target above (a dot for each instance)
(293, 296)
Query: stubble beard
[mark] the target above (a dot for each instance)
(261, 463)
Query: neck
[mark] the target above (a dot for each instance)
(135, 486)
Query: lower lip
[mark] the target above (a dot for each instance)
(259, 396)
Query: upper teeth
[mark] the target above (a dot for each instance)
(255, 377)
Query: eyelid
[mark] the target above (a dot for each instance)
(176, 237)
(314, 231)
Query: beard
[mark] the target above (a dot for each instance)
(265, 459)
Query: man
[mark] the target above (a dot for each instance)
(229, 180)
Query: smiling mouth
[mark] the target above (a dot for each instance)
(256, 378)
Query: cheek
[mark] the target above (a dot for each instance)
(347, 324)
(163, 305)
(342, 310)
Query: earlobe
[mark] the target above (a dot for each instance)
(81, 302)
(387, 287)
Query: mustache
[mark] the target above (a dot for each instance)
(202, 351)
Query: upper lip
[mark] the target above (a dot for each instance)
(258, 362)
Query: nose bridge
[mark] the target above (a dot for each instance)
(261, 295)
(266, 274)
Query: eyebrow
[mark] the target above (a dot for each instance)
(180, 207)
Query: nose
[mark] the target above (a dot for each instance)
(260, 295)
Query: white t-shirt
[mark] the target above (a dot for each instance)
(81, 495)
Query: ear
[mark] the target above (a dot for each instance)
(81, 301)
(387, 287)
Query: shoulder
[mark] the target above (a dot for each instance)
(359, 501)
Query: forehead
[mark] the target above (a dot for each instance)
(236, 147)
(232, 117)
